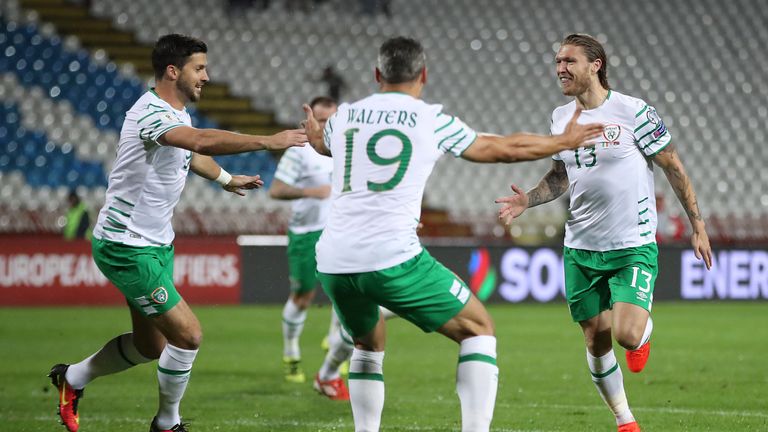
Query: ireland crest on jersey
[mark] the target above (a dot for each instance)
(611, 133)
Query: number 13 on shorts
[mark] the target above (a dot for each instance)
(642, 280)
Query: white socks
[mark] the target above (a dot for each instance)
(293, 324)
(607, 376)
(116, 355)
(366, 389)
(173, 371)
(339, 350)
(647, 333)
(477, 379)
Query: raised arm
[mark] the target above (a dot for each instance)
(670, 162)
(525, 146)
(552, 185)
(221, 142)
(207, 168)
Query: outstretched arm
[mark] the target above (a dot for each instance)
(670, 162)
(221, 142)
(525, 146)
(551, 186)
(207, 168)
(283, 191)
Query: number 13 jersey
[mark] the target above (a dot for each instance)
(612, 204)
(384, 148)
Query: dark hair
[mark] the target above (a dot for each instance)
(322, 100)
(401, 60)
(174, 49)
(593, 50)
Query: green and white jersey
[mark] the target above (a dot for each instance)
(384, 148)
(303, 167)
(612, 205)
(147, 178)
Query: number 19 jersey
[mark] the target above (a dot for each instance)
(384, 148)
(611, 181)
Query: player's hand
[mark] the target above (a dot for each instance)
(287, 138)
(514, 205)
(578, 135)
(312, 127)
(319, 192)
(241, 183)
(701, 247)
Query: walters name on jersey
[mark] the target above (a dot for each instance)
(612, 204)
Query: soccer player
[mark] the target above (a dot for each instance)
(610, 254)
(132, 239)
(303, 176)
(384, 148)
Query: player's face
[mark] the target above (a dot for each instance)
(323, 113)
(193, 76)
(573, 70)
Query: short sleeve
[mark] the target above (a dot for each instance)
(328, 130)
(154, 121)
(453, 135)
(289, 168)
(651, 135)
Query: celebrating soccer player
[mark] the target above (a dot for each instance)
(132, 239)
(384, 148)
(610, 254)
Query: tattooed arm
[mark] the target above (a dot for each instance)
(669, 161)
(551, 186)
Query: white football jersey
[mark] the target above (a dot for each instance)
(384, 148)
(303, 167)
(147, 178)
(612, 203)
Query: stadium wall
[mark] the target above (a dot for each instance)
(44, 272)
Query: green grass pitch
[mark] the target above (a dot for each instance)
(708, 372)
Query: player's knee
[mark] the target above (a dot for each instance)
(303, 300)
(190, 340)
(151, 351)
(629, 339)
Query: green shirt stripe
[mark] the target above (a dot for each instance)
(603, 375)
(643, 200)
(153, 112)
(449, 137)
(120, 212)
(645, 234)
(159, 134)
(457, 142)
(642, 212)
(124, 201)
(643, 222)
(445, 125)
(655, 141)
(106, 228)
(642, 126)
(650, 132)
(115, 223)
(477, 357)
(641, 111)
